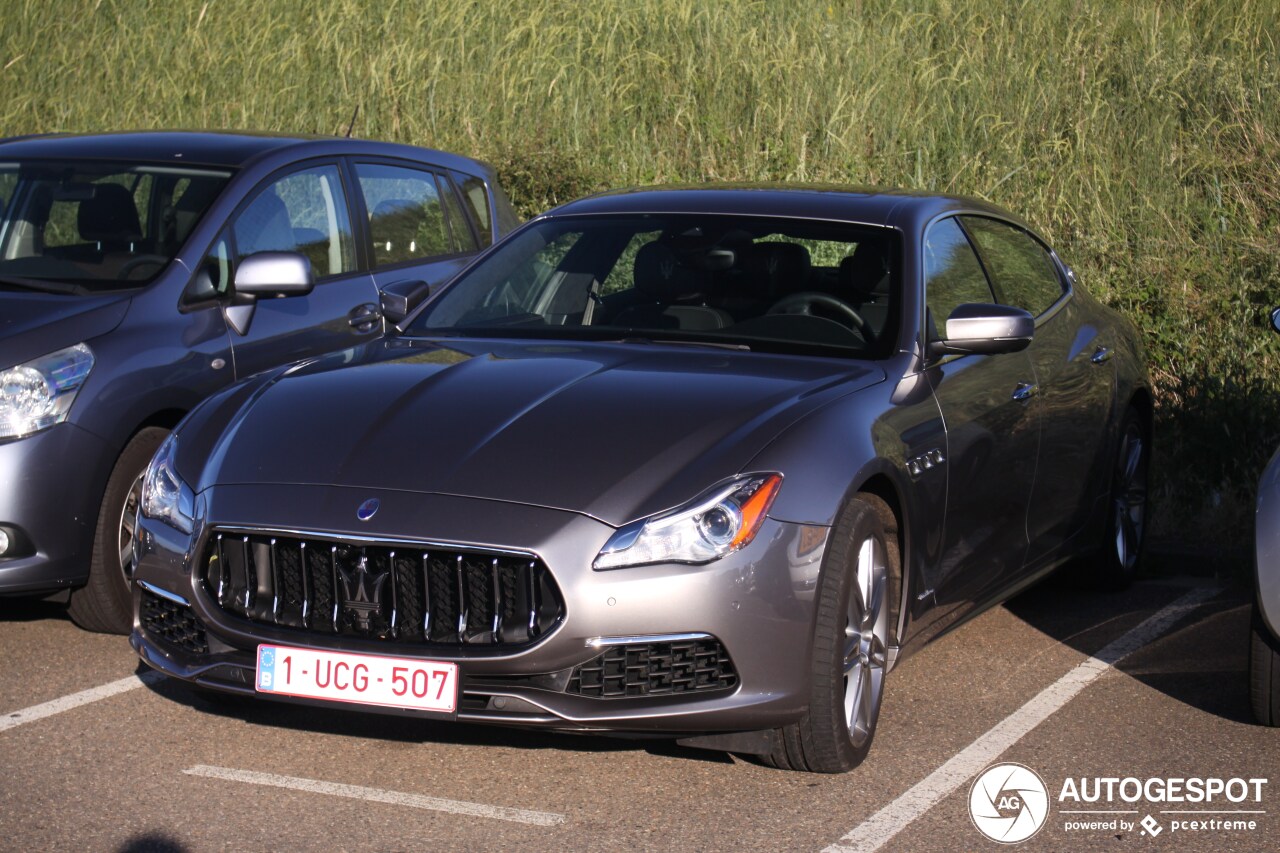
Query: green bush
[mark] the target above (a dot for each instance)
(1142, 138)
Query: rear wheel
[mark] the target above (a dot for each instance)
(850, 644)
(1264, 672)
(1127, 513)
(105, 603)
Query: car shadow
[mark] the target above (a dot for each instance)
(341, 723)
(20, 609)
(1202, 661)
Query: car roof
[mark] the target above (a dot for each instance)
(871, 205)
(211, 148)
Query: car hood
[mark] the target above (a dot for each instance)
(33, 324)
(614, 431)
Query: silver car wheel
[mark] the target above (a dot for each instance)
(127, 527)
(866, 640)
(1130, 496)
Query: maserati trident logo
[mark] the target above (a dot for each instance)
(366, 510)
(362, 594)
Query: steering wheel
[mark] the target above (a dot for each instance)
(803, 302)
(133, 263)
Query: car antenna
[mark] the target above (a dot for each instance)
(352, 125)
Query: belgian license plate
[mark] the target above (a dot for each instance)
(364, 679)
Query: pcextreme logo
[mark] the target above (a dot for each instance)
(1009, 803)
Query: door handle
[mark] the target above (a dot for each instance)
(1101, 355)
(364, 317)
(1025, 391)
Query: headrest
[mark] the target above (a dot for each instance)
(394, 206)
(109, 216)
(777, 269)
(660, 275)
(264, 226)
(865, 272)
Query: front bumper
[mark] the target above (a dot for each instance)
(758, 603)
(51, 484)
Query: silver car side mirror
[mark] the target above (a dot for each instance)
(266, 275)
(274, 274)
(979, 328)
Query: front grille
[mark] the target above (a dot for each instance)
(655, 669)
(172, 624)
(407, 594)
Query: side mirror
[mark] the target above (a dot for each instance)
(975, 328)
(400, 298)
(274, 274)
(266, 275)
(1275, 319)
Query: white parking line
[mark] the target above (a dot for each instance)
(377, 795)
(877, 830)
(75, 700)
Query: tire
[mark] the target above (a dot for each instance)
(105, 603)
(1264, 672)
(859, 582)
(1117, 565)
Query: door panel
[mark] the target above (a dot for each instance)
(1075, 406)
(992, 436)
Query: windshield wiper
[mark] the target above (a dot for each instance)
(40, 286)
(679, 342)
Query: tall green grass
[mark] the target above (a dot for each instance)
(1143, 138)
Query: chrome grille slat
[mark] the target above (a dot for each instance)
(466, 596)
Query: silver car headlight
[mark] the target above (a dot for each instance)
(717, 523)
(164, 496)
(39, 393)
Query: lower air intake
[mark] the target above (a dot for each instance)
(655, 669)
(172, 624)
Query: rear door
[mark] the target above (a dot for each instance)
(305, 210)
(416, 225)
(1074, 376)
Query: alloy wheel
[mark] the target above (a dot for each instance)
(866, 641)
(1129, 496)
(127, 528)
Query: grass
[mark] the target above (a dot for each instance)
(1142, 138)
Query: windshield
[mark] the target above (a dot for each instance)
(755, 282)
(83, 227)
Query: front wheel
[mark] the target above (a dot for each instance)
(850, 644)
(105, 603)
(1264, 672)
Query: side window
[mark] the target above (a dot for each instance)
(952, 273)
(406, 217)
(459, 228)
(1024, 274)
(475, 196)
(622, 276)
(304, 212)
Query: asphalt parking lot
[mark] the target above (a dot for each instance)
(1146, 684)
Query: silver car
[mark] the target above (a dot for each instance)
(1264, 646)
(698, 462)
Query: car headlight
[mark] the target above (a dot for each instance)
(164, 496)
(39, 393)
(717, 523)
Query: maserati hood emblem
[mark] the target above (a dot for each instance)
(367, 509)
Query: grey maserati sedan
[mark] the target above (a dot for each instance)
(703, 462)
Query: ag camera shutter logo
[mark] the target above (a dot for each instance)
(1008, 803)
